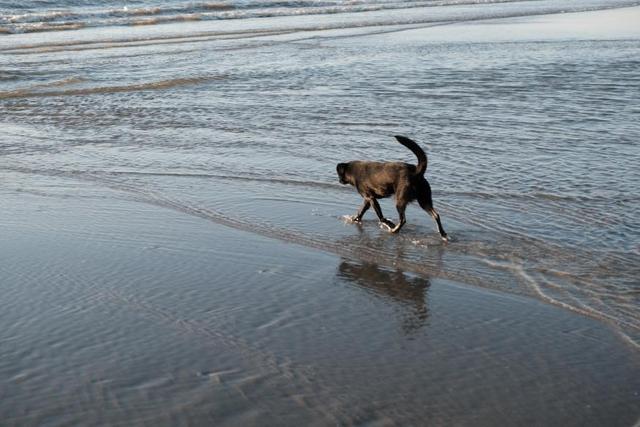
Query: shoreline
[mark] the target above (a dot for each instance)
(349, 246)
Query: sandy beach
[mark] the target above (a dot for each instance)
(193, 282)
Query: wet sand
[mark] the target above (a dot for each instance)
(117, 312)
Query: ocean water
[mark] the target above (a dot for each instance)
(18, 16)
(238, 111)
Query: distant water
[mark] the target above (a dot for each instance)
(532, 144)
(18, 16)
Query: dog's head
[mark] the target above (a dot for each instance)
(343, 170)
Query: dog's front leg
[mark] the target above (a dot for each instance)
(363, 209)
(402, 219)
(384, 221)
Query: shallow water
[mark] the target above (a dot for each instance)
(532, 137)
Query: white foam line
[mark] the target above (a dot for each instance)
(589, 312)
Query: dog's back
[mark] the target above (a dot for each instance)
(380, 179)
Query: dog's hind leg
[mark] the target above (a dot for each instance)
(363, 209)
(427, 205)
(434, 214)
(402, 220)
(388, 224)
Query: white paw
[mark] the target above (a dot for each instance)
(351, 219)
(386, 227)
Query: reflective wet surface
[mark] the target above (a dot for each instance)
(115, 312)
(173, 245)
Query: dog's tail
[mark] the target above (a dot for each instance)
(419, 152)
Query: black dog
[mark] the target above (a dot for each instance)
(375, 180)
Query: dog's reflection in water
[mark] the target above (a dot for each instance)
(407, 293)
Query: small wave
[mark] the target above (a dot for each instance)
(166, 20)
(38, 17)
(77, 45)
(627, 328)
(106, 174)
(33, 92)
(58, 83)
(18, 93)
(543, 196)
(44, 26)
(311, 184)
(142, 11)
(284, 181)
(217, 6)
